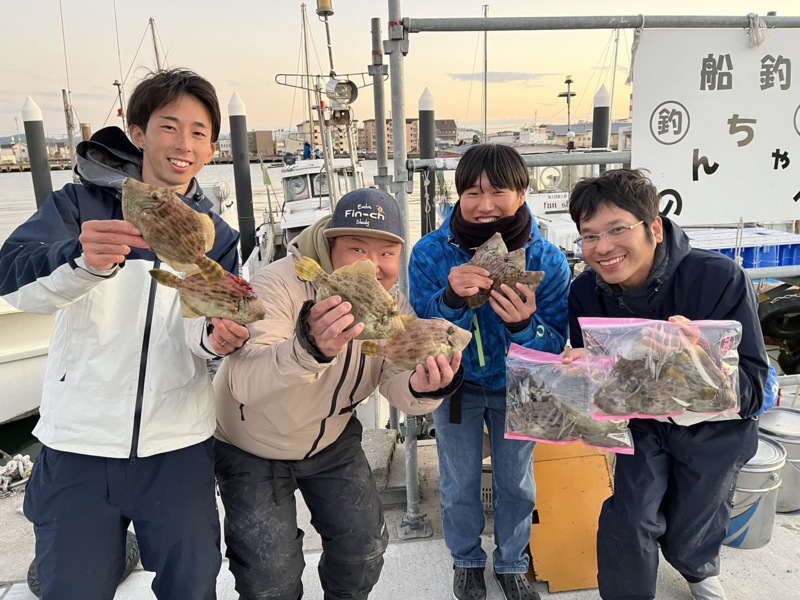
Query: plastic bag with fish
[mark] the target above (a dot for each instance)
(663, 369)
(422, 338)
(504, 267)
(178, 235)
(548, 401)
(232, 298)
(358, 285)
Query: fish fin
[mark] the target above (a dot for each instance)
(210, 270)
(188, 312)
(408, 320)
(209, 230)
(166, 278)
(307, 269)
(362, 267)
(371, 348)
(188, 268)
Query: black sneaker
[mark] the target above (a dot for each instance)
(468, 584)
(515, 586)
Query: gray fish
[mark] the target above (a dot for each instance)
(504, 267)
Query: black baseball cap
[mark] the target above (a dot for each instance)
(368, 212)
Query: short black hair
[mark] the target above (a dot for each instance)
(504, 166)
(160, 88)
(628, 189)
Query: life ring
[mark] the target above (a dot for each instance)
(131, 560)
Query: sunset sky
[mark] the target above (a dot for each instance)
(240, 45)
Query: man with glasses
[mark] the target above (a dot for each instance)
(675, 490)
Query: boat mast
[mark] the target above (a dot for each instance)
(310, 84)
(485, 80)
(159, 59)
(66, 96)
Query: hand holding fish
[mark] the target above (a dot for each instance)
(436, 374)
(329, 323)
(509, 306)
(107, 243)
(227, 336)
(467, 280)
(570, 354)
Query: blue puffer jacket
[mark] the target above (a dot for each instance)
(484, 359)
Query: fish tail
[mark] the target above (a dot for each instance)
(371, 348)
(211, 270)
(165, 278)
(307, 269)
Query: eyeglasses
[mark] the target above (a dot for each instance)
(619, 233)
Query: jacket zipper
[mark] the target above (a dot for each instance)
(333, 400)
(137, 415)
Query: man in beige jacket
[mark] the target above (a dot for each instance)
(286, 414)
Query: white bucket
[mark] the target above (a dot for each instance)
(783, 425)
(755, 496)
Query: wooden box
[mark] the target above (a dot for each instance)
(571, 484)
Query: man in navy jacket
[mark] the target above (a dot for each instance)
(675, 490)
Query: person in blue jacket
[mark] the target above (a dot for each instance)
(491, 181)
(127, 410)
(675, 490)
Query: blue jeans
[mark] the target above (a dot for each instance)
(459, 446)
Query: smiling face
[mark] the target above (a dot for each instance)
(384, 254)
(627, 259)
(483, 203)
(176, 143)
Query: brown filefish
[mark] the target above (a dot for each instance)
(232, 298)
(358, 285)
(178, 235)
(504, 267)
(421, 339)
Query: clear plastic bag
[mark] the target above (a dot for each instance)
(663, 369)
(548, 402)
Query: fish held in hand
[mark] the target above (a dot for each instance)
(232, 298)
(371, 304)
(422, 338)
(178, 235)
(504, 267)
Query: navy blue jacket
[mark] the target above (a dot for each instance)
(697, 284)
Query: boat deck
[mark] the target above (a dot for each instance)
(422, 570)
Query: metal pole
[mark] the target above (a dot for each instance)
(327, 150)
(378, 70)
(427, 149)
(37, 151)
(310, 85)
(605, 22)
(70, 127)
(533, 160)
(413, 524)
(613, 87)
(240, 152)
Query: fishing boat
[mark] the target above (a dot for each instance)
(23, 357)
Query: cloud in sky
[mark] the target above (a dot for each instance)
(500, 76)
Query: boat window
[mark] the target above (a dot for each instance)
(296, 188)
(320, 183)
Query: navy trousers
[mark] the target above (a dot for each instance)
(263, 542)
(81, 507)
(675, 492)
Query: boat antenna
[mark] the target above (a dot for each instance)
(325, 10)
(310, 84)
(119, 56)
(613, 85)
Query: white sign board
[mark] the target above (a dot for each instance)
(716, 123)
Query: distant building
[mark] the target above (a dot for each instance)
(446, 132)
(14, 153)
(339, 134)
(261, 143)
(224, 149)
(412, 136)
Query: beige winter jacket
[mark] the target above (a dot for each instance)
(274, 399)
